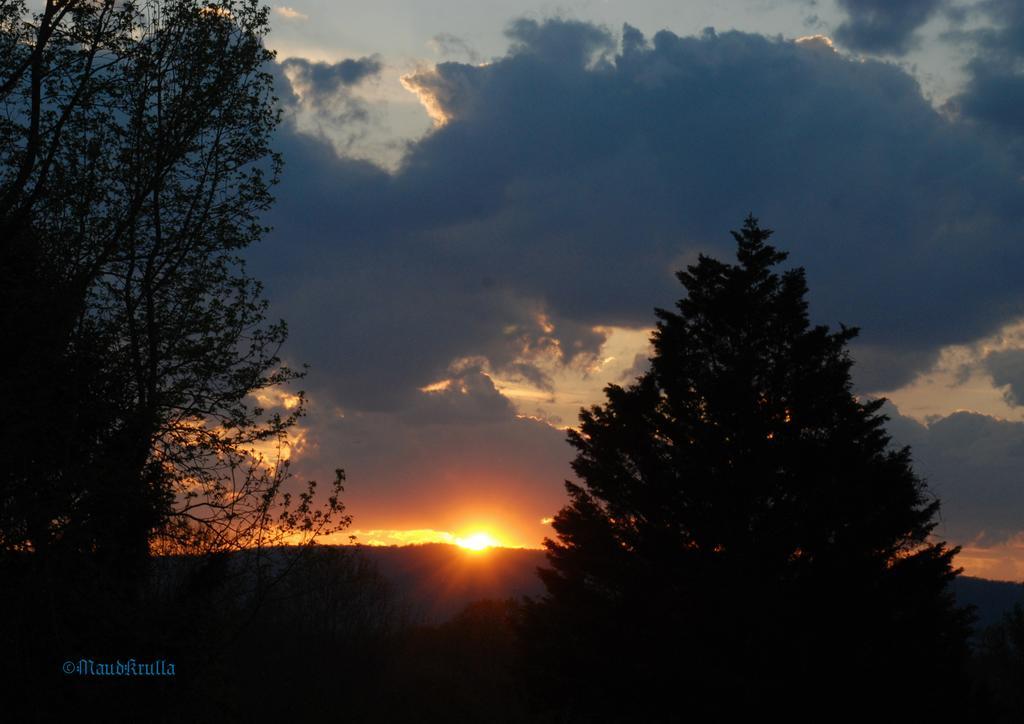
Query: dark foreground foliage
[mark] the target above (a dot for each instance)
(335, 641)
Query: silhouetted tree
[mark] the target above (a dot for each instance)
(147, 407)
(135, 165)
(744, 538)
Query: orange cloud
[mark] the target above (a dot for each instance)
(473, 537)
(1003, 562)
(289, 13)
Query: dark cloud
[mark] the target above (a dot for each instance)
(611, 171)
(566, 187)
(995, 96)
(641, 364)
(568, 184)
(1004, 39)
(324, 92)
(1007, 368)
(328, 78)
(883, 366)
(286, 95)
(994, 93)
(532, 374)
(562, 44)
(884, 26)
(466, 395)
(975, 465)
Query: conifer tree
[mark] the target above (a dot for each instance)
(744, 537)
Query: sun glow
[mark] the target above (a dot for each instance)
(477, 542)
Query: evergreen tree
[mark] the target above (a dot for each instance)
(745, 537)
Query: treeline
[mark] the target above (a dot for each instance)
(307, 634)
(333, 640)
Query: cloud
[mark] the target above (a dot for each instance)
(570, 188)
(290, 13)
(1002, 36)
(448, 44)
(462, 463)
(633, 163)
(975, 465)
(325, 86)
(994, 94)
(565, 44)
(391, 537)
(821, 42)
(328, 78)
(320, 99)
(466, 395)
(1007, 368)
(883, 26)
(565, 187)
(1001, 562)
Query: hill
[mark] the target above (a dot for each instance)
(436, 581)
(991, 599)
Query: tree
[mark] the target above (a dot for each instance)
(148, 407)
(135, 165)
(744, 535)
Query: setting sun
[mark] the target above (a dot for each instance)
(477, 542)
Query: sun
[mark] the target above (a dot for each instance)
(477, 542)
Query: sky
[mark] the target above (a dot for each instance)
(483, 202)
